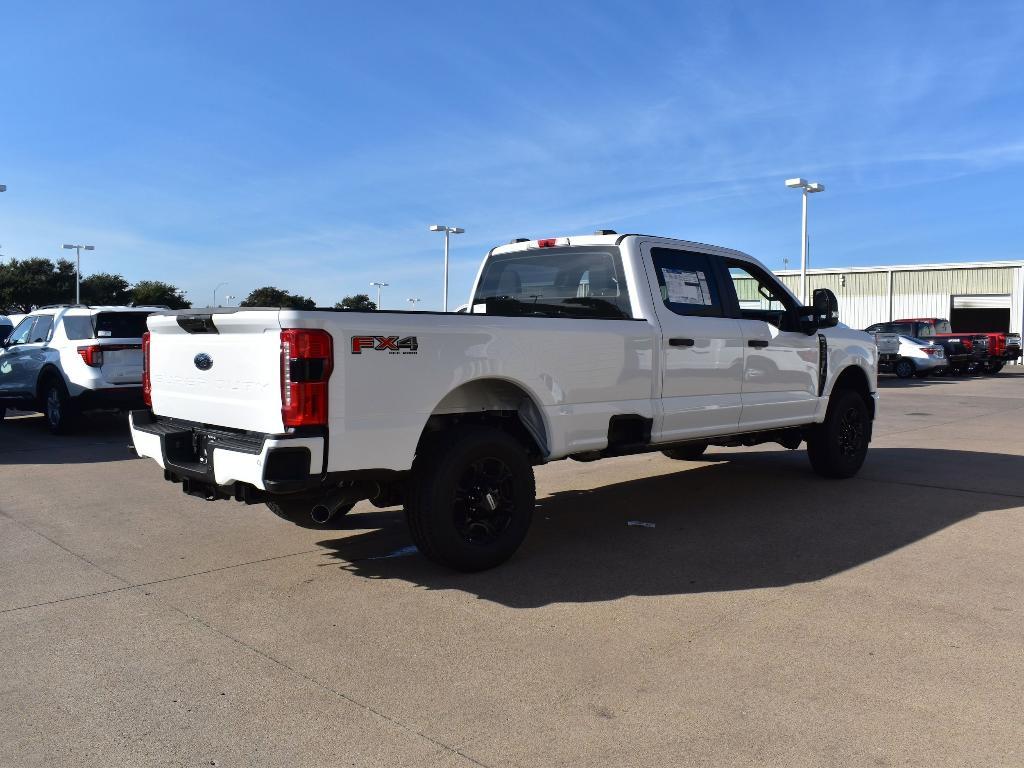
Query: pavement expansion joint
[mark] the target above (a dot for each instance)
(329, 689)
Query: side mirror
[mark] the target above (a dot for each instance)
(826, 308)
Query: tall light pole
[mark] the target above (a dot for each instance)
(413, 303)
(215, 292)
(447, 231)
(808, 189)
(78, 266)
(379, 287)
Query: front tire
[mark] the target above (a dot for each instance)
(838, 446)
(905, 368)
(992, 368)
(689, 452)
(471, 498)
(57, 407)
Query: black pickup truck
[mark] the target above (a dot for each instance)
(959, 351)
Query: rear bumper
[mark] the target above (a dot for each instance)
(120, 397)
(225, 462)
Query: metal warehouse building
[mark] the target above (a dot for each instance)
(975, 296)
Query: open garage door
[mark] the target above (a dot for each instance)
(989, 312)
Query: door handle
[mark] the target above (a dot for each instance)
(680, 342)
(757, 343)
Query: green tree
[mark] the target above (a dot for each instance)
(25, 283)
(360, 302)
(268, 296)
(156, 292)
(104, 288)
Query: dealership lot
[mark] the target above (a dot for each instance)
(768, 617)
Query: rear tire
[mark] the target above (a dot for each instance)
(58, 407)
(690, 452)
(838, 446)
(905, 368)
(471, 498)
(297, 511)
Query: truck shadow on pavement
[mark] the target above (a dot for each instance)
(748, 521)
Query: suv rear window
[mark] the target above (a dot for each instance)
(120, 325)
(555, 282)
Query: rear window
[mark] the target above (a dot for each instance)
(555, 282)
(120, 325)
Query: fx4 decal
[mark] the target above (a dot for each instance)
(393, 345)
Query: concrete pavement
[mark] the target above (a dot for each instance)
(769, 618)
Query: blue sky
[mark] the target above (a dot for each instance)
(309, 145)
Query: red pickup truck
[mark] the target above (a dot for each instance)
(992, 350)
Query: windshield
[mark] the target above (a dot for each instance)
(554, 282)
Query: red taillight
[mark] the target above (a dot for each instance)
(548, 242)
(307, 358)
(92, 355)
(147, 385)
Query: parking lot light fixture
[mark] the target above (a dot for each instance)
(413, 303)
(78, 266)
(380, 287)
(807, 188)
(215, 288)
(447, 231)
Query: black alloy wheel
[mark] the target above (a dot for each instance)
(838, 446)
(471, 496)
(484, 501)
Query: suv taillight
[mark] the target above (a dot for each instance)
(92, 355)
(147, 384)
(307, 358)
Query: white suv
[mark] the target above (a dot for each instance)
(62, 360)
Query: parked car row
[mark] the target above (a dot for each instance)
(925, 346)
(62, 360)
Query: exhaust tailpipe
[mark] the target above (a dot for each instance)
(336, 498)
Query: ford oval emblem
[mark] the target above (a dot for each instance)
(203, 361)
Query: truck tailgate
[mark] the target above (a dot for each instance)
(887, 343)
(222, 369)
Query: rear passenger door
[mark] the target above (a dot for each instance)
(701, 346)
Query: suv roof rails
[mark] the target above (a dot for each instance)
(606, 232)
(59, 306)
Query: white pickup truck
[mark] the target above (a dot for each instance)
(573, 347)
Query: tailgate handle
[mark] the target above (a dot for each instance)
(757, 343)
(680, 342)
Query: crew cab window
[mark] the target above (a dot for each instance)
(121, 325)
(687, 282)
(759, 296)
(904, 329)
(555, 282)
